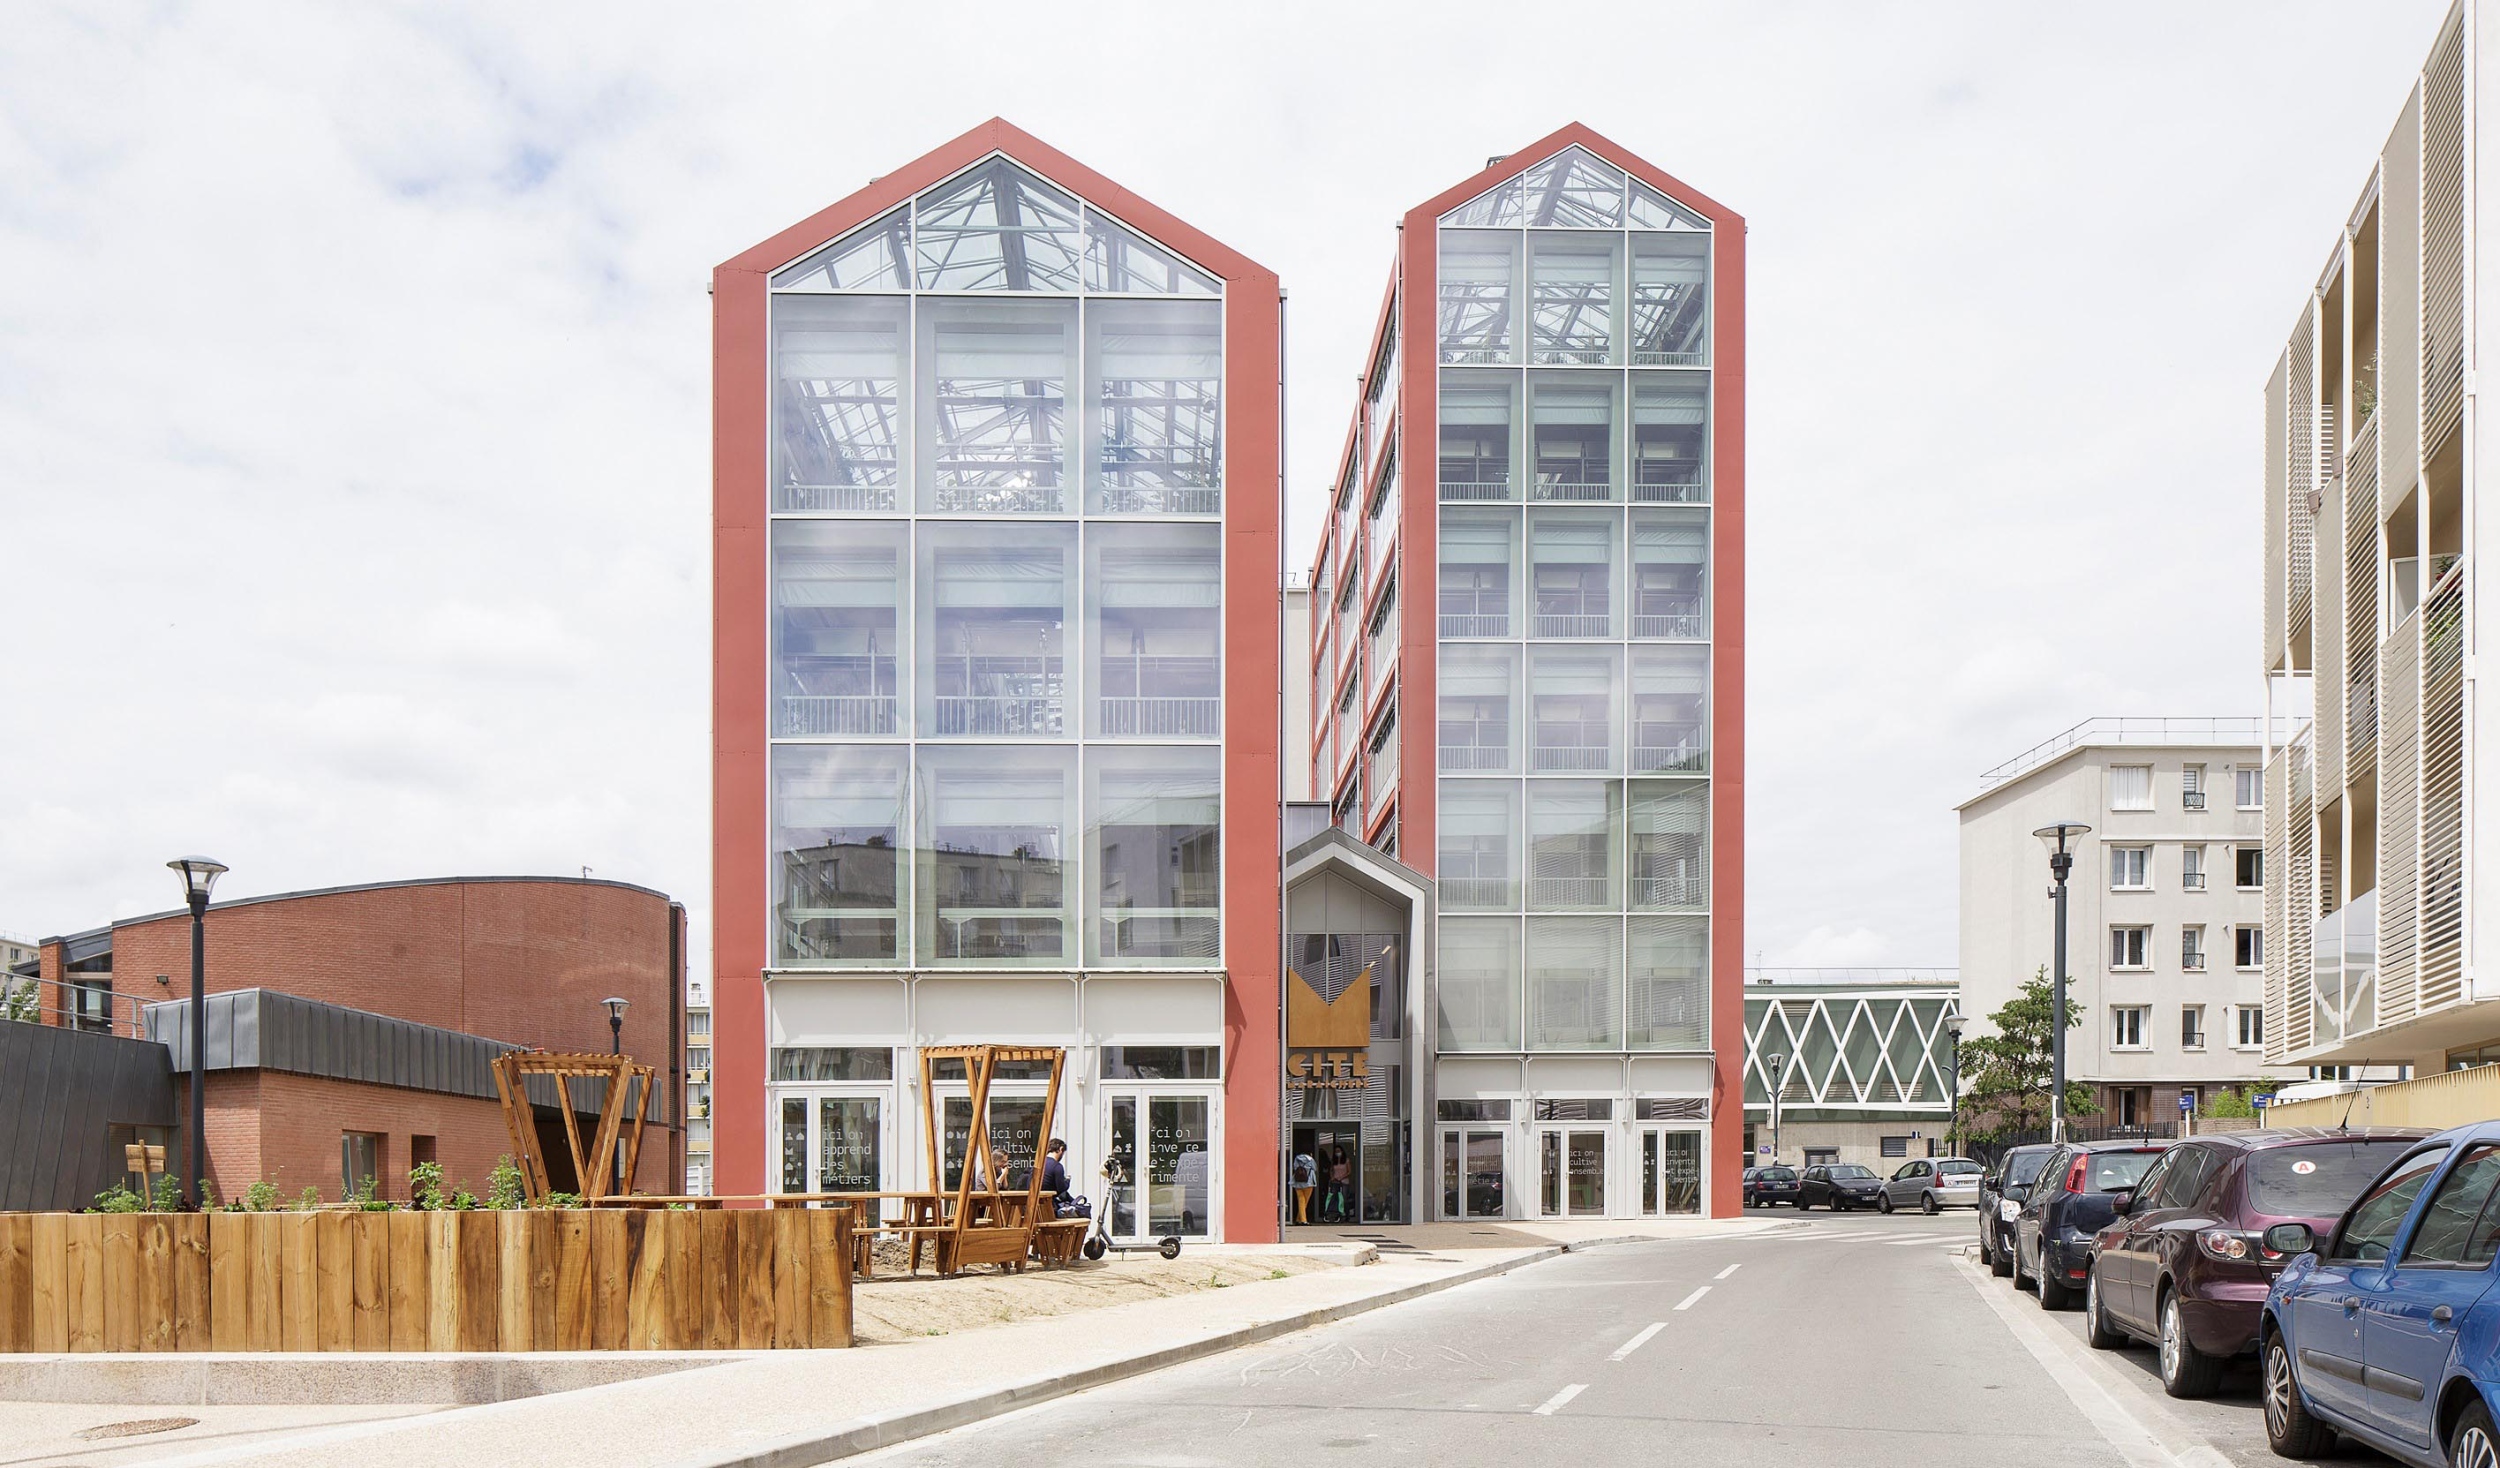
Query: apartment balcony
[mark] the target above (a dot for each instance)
(1573, 624)
(1674, 890)
(839, 499)
(812, 714)
(1678, 617)
(1669, 359)
(1573, 352)
(1471, 490)
(999, 717)
(1000, 499)
(1475, 624)
(1573, 745)
(2191, 800)
(1162, 500)
(1477, 759)
(1577, 489)
(1673, 757)
(1168, 718)
(1568, 892)
(1477, 892)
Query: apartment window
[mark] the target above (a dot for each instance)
(2192, 948)
(2130, 947)
(2192, 868)
(2192, 1027)
(2192, 787)
(360, 1161)
(1896, 1146)
(2130, 868)
(2250, 864)
(2248, 947)
(1152, 837)
(2130, 787)
(2248, 787)
(1153, 597)
(1479, 693)
(2252, 1027)
(2126, 1027)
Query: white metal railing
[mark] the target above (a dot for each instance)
(1578, 490)
(1464, 758)
(1576, 624)
(1567, 891)
(1475, 892)
(1685, 758)
(1671, 891)
(1475, 489)
(1001, 499)
(2214, 732)
(1567, 354)
(1670, 624)
(836, 714)
(92, 1007)
(1010, 932)
(1162, 500)
(1475, 624)
(837, 498)
(1670, 359)
(1187, 718)
(1572, 756)
(1647, 491)
(998, 715)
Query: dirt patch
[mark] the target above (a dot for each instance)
(894, 1307)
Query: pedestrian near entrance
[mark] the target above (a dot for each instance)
(1305, 1176)
(1337, 1205)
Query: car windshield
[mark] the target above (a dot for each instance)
(2024, 1168)
(1956, 1169)
(1850, 1169)
(2317, 1179)
(1779, 1174)
(2107, 1172)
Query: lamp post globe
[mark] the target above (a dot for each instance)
(2060, 837)
(616, 1023)
(1952, 1079)
(199, 878)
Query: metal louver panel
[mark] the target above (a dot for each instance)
(2443, 239)
(2441, 896)
(2276, 498)
(2300, 451)
(2359, 679)
(2300, 904)
(2326, 643)
(2279, 1008)
(2400, 824)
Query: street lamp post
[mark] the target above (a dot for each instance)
(1952, 1080)
(2061, 863)
(616, 1046)
(199, 875)
(1779, 1083)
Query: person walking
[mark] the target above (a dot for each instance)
(1305, 1178)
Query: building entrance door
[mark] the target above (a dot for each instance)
(1571, 1171)
(835, 1142)
(1336, 1153)
(1164, 1143)
(1670, 1162)
(1472, 1163)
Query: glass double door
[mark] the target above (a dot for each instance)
(1571, 1170)
(1472, 1163)
(1670, 1171)
(1161, 1145)
(835, 1142)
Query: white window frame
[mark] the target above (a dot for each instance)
(2248, 781)
(2143, 946)
(2202, 1036)
(2192, 948)
(2144, 862)
(2236, 930)
(2192, 867)
(2192, 787)
(2240, 1018)
(2115, 771)
(2127, 1020)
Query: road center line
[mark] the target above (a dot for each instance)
(1636, 1342)
(1724, 1273)
(1555, 1402)
(1689, 1301)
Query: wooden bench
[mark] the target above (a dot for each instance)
(1061, 1240)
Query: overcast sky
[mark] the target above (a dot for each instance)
(354, 474)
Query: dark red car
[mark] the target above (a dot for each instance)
(2183, 1265)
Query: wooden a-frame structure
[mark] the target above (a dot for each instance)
(593, 1172)
(985, 1225)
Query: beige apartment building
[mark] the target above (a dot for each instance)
(2373, 492)
(2165, 907)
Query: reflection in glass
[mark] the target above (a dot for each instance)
(1669, 997)
(1651, 209)
(1475, 304)
(1471, 1174)
(837, 587)
(837, 833)
(1176, 1166)
(1670, 710)
(1479, 696)
(1572, 435)
(1480, 845)
(1154, 816)
(1015, 1128)
(994, 867)
(1574, 842)
(1572, 694)
(873, 257)
(1477, 409)
(994, 622)
(849, 1154)
(996, 373)
(1670, 573)
(1571, 573)
(1479, 552)
(1670, 300)
(1670, 413)
(1575, 984)
(794, 1144)
(997, 228)
(1670, 843)
(1158, 369)
(1480, 994)
(1571, 299)
(1152, 630)
(1381, 521)
(838, 367)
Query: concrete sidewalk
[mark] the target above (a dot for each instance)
(793, 1408)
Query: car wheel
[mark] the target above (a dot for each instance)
(1927, 1204)
(2000, 1261)
(2022, 1281)
(2185, 1370)
(2055, 1294)
(2475, 1443)
(2097, 1331)
(1883, 1202)
(2290, 1430)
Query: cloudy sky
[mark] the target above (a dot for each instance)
(353, 429)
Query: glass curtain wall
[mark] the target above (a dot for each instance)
(1573, 613)
(997, 555)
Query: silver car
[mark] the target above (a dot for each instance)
(1932, 1183)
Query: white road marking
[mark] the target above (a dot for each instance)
(1636, 1342)
(1689, 1301)
(1554, 1403)
(1911, 1243)
(1724, 1273)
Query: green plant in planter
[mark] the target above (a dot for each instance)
(561, 1200)
(118, 1199)
(425, 1186)
(308, 1200)
(462, 1200)
(261, 1197)
(166, 1196)
(365, 1196)
(503, 1186)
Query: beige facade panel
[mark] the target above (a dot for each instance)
(2443, 236)
(2300, 448)
(2327, 638)
(839, 1011)
(2400, 321)
(2277, 516)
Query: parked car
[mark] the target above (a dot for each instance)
(1771, 1186)
(1839, 1186)
(2069, 1206)
(2386, 1329)
(2184, 1265)
(1932, 1183)
(2001, 1192)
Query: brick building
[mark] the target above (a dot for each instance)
(350, 1028)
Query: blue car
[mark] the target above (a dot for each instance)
(2387, 1330)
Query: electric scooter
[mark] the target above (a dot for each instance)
(1098, 1243)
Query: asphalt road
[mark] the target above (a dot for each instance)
(1857, 1339)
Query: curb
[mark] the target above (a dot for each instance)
(862, 1435)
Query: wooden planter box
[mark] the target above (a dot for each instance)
(530, 1280)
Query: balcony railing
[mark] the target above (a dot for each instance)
(1573, 624)
(838, 498)
(2192, 881)
(1567, 891)
(1575, 490)
(1475, 758)
(1475, 624)
(1555, 757)
(1475, 489)
(993, 499)
(1160, 932)
(1671, 891)
(2192, 800)
(1670, 359)
(1001, 932)
(1162, 500)
(1649, 491)
(998, 716)
(1476, 892)
(837, 714)
(1570, 353)
(1670, 624)
(1181, 718)
(1681, 758)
